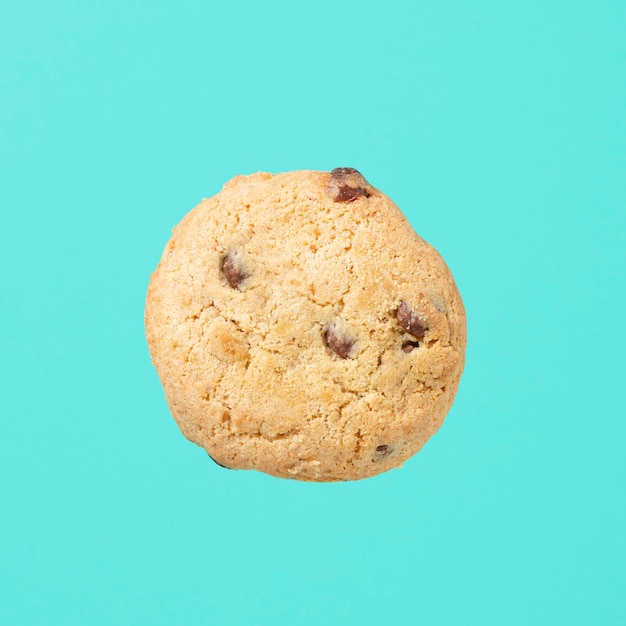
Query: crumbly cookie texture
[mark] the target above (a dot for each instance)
(300, 327)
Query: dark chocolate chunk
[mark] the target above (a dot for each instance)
(344, 172)
(347, 185)
(409, 346)
(349, 194)
(233, 270)
(338, 341)
(410, 321)
(381, 452)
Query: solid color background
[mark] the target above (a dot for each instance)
(498, 127)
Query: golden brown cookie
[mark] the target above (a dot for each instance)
(300, 327)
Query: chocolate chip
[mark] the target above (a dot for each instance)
(409, 346)
(338, 341)
(218, 463)
(347, 185)
(381, 452)
(344, 172)
(233, 270)
(349, 194)
(410, 321)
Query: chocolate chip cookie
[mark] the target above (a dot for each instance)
(300, 327)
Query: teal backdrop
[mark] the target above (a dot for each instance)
(500, 130)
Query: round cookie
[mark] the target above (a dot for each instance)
(300, 327)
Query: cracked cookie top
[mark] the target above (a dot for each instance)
(302, 328)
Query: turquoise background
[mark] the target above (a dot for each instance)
(498, 127)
